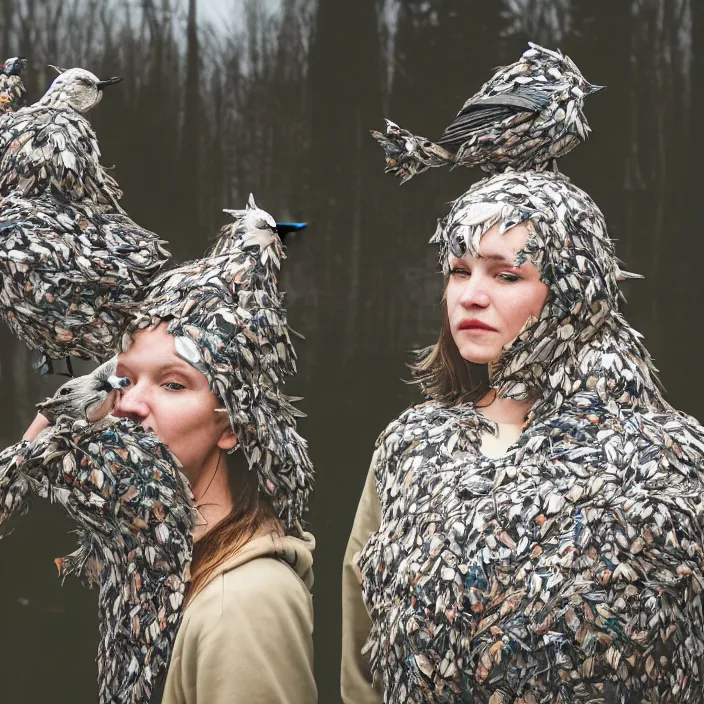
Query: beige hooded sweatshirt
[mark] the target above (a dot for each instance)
(247, 636)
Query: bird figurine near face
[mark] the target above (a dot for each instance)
(134, 514)
(525, 117)
(90, 397)
(12, 88)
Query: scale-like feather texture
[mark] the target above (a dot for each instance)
(133, 509)
(571, 568)
(70, 275)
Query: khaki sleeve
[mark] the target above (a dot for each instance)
(355, 675)
(251, 641)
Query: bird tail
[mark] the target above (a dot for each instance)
(408, 154)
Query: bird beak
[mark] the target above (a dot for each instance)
(591, 88)
(284, 228)
(108, 82)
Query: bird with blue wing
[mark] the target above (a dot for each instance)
(134, 513)
(525, 117)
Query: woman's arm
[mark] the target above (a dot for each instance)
(248, 641)
(355, 675)
(38, 424)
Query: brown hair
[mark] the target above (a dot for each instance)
(251, 510)
(442, 372)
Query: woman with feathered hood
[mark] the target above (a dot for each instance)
(203, 364)
(535, 537)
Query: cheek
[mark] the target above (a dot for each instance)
(453, 291)
(523, 302)
(188, 427)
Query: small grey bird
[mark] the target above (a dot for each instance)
(51, 146)
(12, 88)
(134, 514)
(90, 397)
(525, 117)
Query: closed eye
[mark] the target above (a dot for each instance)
(459, 272)
(173, 386)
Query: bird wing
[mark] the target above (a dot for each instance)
(482, 113)
(70, 276)
(17, 486)
(56, 150)
(134, 514)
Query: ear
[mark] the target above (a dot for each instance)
(228, 440)
(56, 68)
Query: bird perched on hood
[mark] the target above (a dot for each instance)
(135, 517)
(50, 145)
(525, 117)
(12, 88)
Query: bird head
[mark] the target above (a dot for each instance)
(253, 227)
(90, 397)
(13, 66)
(77, 89)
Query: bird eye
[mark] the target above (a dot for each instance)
(63, 392)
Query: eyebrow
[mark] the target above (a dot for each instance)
(493, 258)
(178, 367)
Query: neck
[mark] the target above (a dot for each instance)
(211, 494)
(504, 410)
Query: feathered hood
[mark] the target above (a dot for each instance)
(227, 317)
(581, 340)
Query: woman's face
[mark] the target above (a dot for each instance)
(488, 299)
(172, 399)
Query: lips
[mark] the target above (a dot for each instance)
(475, 325)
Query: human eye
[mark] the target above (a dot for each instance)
(173, 386)
(508, 277)
(455, 271)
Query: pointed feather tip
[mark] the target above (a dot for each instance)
(626, 275)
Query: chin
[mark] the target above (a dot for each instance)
(478, 355)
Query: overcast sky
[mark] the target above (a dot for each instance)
(225, 10)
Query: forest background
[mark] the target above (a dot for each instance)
(277, 97)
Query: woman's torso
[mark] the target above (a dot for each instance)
(568, 567)
(246, 637)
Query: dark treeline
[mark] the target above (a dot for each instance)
(278, 99)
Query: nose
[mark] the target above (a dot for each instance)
(474, 291)
(132, 403)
